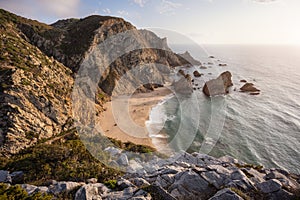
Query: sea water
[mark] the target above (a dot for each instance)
(263, 129)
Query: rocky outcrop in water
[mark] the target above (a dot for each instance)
(183, 86)
(218, 86)
(249, 87)
(197, 74)
(187, 56)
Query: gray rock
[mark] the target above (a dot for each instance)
(139, 182)
(42, 189)
(226, 194)
(190, 185)
(269, 186)
(5, 177)
(218, 86)
(123, 160)
(213, 178)
(30, 189)
(158, 192)
(228, 159)
(91, 192)
(256, 176)
(275, 175)
(281, 195)
(92, 180)
(123, 184)
(63, 186)
(113, 151)
(185, 157)
(219, 169)
(17, 177)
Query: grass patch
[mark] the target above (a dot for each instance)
(62, 161)
(18, 193)
(256, 167)
(112, 184)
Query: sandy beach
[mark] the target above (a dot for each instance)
(124, 118)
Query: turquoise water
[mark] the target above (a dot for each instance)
(263, 129)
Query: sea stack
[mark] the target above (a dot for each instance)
(218, 86)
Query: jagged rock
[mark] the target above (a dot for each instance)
(228, 159)
(113, 151)
(92, 180)
(123, 183)
(213, 178)
(189, 185)
(196, 74)
(249, 87)
(269, 186)
(91, 192)
(123, 160)
(219, 85)
(281, 195)
(183, 86)
(30, 189)
(159, 193)
(139, 182)
(42, 189)
(5, 177)
(226, 194)
(17, 177)
(187, 56)
(63, 186)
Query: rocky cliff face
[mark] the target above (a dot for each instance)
(34, 92)
(38, 62)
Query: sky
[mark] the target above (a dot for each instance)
(204, 21)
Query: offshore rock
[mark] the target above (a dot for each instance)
(218, 86)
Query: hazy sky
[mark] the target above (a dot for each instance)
(205, 21)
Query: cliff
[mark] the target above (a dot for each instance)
(38, 64)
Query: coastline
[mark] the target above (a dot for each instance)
(139, 109)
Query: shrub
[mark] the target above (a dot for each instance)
(18, 193)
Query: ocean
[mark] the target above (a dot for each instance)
(261, 130)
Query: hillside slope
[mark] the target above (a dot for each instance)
(38, 63)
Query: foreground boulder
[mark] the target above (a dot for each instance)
(185, 176)
(226, 194)
(218, 86)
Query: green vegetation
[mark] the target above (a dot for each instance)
(129, 146)
(256, 167)
(62, 161)
(25, 81)
(65, 158)
(17, 193)
(112, 184)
